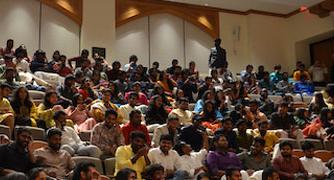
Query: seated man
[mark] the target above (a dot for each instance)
(16, 158)
(134, 155)
(135, 125)
(256, 159)
(70, 141)
(289, 167)
(107, 135)
(58, 163)
(39, 62)
(126, 109)
(182, 112)
(221, 159)
(67, 91)
(270, 137)
(254, 115)
(142, 99)
(154, 172)
(266, 105)
(85, 170)
(233, 174)
(168, 158)
(313, 165)
(192, 134)
(227, 131)
(270, 174)
(99, 106)
(244, 139)
(169, 128)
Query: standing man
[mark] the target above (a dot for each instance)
(217, 57)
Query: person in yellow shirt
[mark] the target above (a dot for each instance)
(271, 138)
(182, 112)
(46, 110)
(133, 156)
(6, 110)
(99, 106)
(25, 111)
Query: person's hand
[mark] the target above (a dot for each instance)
(142, 151)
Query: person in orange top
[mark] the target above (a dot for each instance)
(301, 72)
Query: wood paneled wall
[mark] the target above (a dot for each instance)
(205, 19)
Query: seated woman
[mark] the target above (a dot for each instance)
(317, 127)
(116, 95)
(166, 83)
(46, 110)
(158, 90)
(317, 103)
(301, 117)
(210, 116)
(6, 110)
(208, 95)
(156, 113)
(79, 114)
(87, 91)
(25, 111)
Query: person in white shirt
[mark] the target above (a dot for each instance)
(313, 165)
(125, 110)
(168, 158)
(319, 73)
(191, 161)
(71, 142)
(185, 116)
(169, 128)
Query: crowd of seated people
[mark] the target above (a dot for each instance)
(159, 123)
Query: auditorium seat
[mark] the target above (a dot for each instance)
(298, 152)
(5, 130)
(36, 144)
(316, 142)
(294, 143)
(329, 145)
(109, 165)
(324, 155)
(36, 133)
(97, 162)
(85, 135)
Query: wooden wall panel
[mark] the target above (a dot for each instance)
(71, 8)
(205, 19)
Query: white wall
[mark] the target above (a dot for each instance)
(58, 32)
(161, 38)
(130, 40)
(197, 47)
(98, 26)
(19, 20)
(167, 39)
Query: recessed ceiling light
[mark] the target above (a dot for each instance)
(206, 4)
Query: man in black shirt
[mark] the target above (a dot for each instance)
(193, 134)
(16, 158)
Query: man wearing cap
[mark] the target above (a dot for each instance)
(193, 133)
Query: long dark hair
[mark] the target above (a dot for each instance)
(46, 102)
(209, 115)
(324, 117)
(16, 103)
(75, 99)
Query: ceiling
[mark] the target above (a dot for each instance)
(274, 6)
